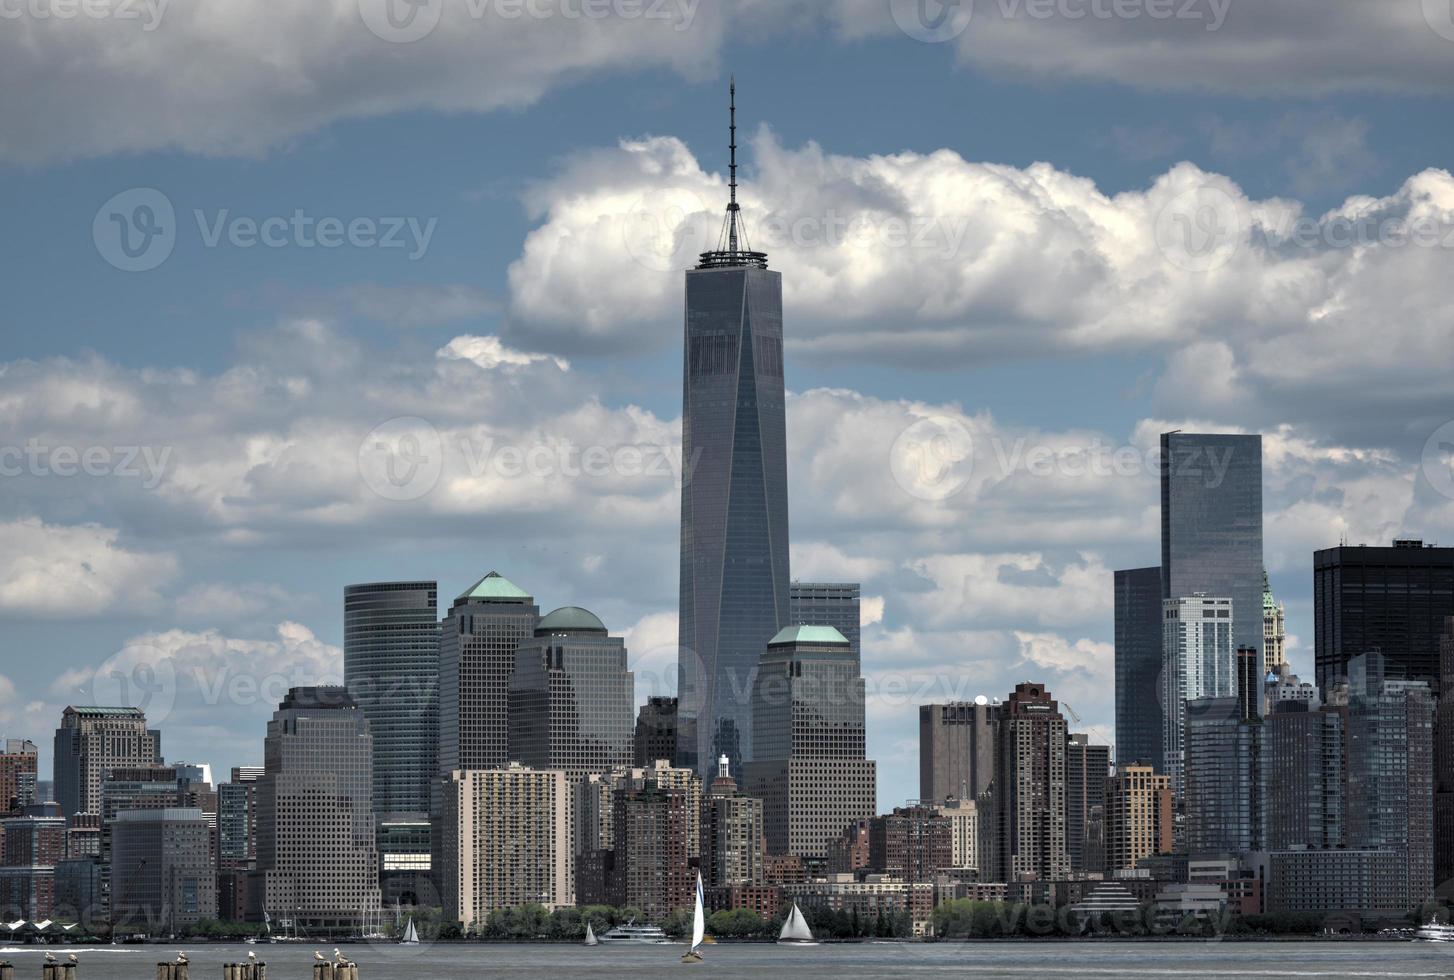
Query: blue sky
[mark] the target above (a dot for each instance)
(565, 169)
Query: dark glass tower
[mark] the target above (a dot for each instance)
(832, 604)
(391, 668)
(734, 535)
(1211, 524)
(1138, 667)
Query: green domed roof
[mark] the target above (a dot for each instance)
(570, 619)
(808, 634)
(494, 586)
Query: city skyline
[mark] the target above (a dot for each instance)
(237, 393)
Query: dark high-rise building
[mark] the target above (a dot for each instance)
(832, 604)
(650, 866)
(32, 844)
(93, 741)
(1027, 828)
(1394, 600)
(1303, 784)
(1391, 770)
(236, 841)
(809, 764)
(1221, 779)
(913, 843)
(956, 750)
(165, 859)
(1444, 766)
(150, 788)
(734, 530)
(571, 697)
(1211, 524)
(656, 732)
(17, 775)
(1250, 682)
(477, 643)
(391, 667)
(317, 863)
(1087, 767)
(1139, 720)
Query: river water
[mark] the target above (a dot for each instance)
(1043, 960)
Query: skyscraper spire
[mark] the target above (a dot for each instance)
(732, 246)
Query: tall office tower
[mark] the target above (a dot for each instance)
(1211, 524)
(1028, 828)
(391, 668)
(956, 750)
(1222, 776)
(1274, 629)
(1198, 662)
(1444, 764)
(734, 533)
(477, 644)
(164, 857)
(1390, 769)
(571, 697)
(31, 845)
(809, 763)
(651, 867)
(92, 741)
(1140, 816)
(733, 845)
(832, 604)
(1087, 767)
(17, 775)
(1394, 600)
(317, 863)
(1302, 776)
(913, 843)
(1251, 682)
(656, 732)
(963, 817)
(1139, 719)
(507, 842)
(236, 841)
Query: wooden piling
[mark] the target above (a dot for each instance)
(7, 971)
(67, 971)
(50, 971)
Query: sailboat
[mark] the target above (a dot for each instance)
(795, 931)
(699, 928)
(411, 935)
(591, 939)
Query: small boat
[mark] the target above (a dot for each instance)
(634, 934)
(699, 928)
(591, 939)
(411, 935)
(1435, 932)
(795, 931)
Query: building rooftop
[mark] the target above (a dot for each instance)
(808, 634)
(493, 586)
(570, 619)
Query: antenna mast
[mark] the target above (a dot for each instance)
(732, 247)
(732, 205)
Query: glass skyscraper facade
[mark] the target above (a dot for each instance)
(1211, 524)
(734, 517)
(1199, 662)
(1139, 642)
(571, 697)
(832, 604)
(391, 668)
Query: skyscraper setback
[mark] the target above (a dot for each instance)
(734, 516)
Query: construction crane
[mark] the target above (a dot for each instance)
(126, 887)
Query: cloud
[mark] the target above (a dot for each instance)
(245, 76)
(488, 353)
(82, 571)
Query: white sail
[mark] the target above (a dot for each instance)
(591, 939)
(795, 928)
(699, 918)
(411, 935)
